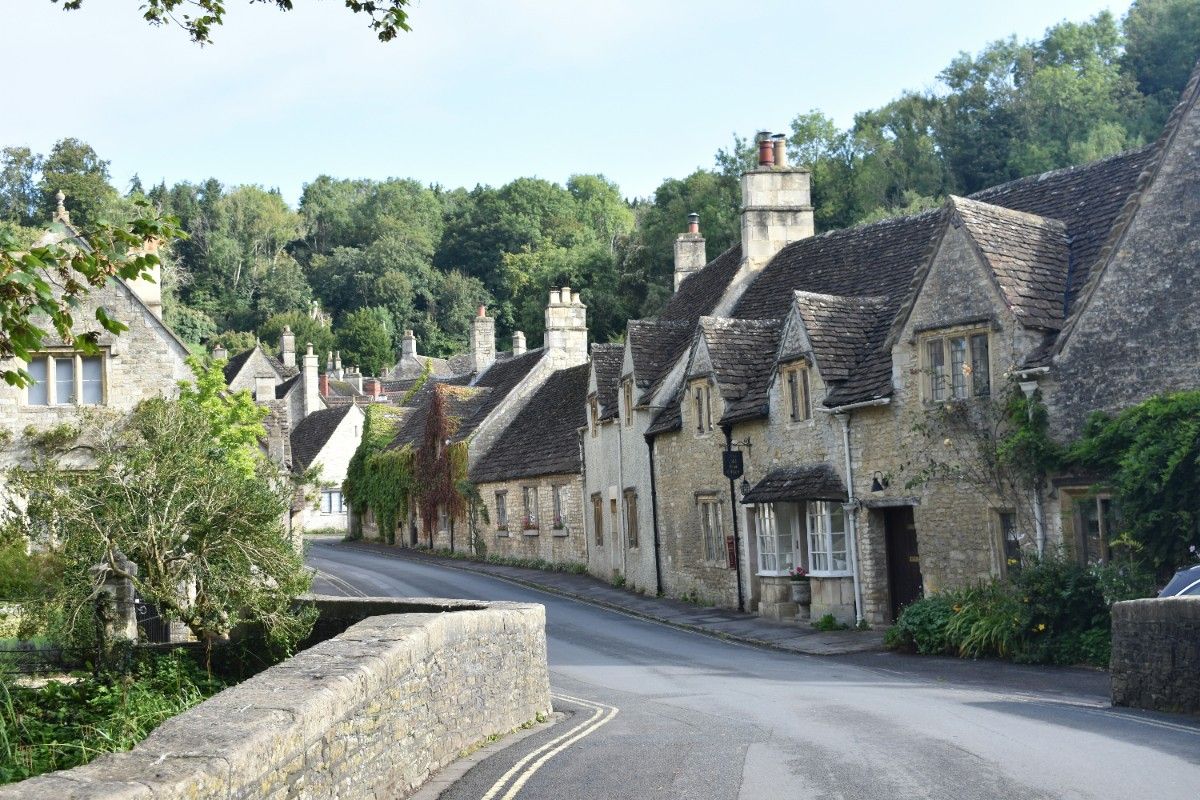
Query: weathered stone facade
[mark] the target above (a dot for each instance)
(558, 539)
(373, 712)
(1156, 654)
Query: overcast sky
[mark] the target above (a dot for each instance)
(480, 91)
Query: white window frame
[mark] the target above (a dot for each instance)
(823, 518)
(52, 359)
(956, 349)
(529, 508)
(502, 510)
(776, 547)
(328, 507)
(558, 496)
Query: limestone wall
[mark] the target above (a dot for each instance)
(562, 544)
(1156, 654)
(370, 713)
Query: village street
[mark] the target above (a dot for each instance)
(653, 711)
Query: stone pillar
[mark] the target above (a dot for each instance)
(776, 207)
(219, 353)
(483, 341)
(518, 343)
(287, 347)
(310, 377)
(116, 598)
(690, 254)
(566, 328)
(408, 345)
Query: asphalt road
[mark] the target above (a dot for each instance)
(651, 711)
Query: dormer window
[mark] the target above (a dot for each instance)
(702, 407)
(796, 391)
(957, 366)
(594, 413)
(627, 390)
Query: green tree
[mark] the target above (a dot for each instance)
(386, 17)
(73, 168)
(304, 328)
(18, 187)
(365, 338)
(1162, 45)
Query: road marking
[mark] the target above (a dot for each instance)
(338, 583)
(602, 714)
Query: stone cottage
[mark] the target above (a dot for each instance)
(147, 360)
(324, 442)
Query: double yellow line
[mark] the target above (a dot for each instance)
(523, 770)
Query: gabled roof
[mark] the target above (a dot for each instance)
(742, 354)
(607, 360)
(282, 389)
(789, 484)
(235, 363)
(701, 291)
(655, 347)
(1029, 257)
(543, 439)
(462, 402)
(409, 368)
(313, 433)
(501, 378)
(839, 329)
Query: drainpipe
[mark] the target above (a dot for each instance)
(581, 442)
(737, 539)
(852, 518)
(1029, 388)
(619, 532)
(654, 517)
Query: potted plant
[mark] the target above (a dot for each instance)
(801, 588)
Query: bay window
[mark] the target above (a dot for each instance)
(776, 554)
(827, 551)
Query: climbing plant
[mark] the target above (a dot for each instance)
(441, 462)
(378, 479)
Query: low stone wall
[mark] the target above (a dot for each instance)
(371, 712)
(1156, 654)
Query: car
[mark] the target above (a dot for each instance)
(1186, 583)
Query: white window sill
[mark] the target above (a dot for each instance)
(831, 574)
(531, 532)
(503, 533)
(562, 532)
(772, 574)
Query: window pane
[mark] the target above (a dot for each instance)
(326, 503)
(39, 392)
(837, 545)
(806, 398)
(699, 410)
(794, 397)
(64, 380)
(937, 370)
(92, 391)
(981, 369)
(958, 363)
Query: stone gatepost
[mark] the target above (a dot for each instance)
(117, 606)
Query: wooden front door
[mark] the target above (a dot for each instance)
(904, 563)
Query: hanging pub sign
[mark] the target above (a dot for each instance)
(731, 464)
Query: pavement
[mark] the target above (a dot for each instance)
(646, 709)
(723, 623)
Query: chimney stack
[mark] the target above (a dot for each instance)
(518, 343)
(219, 353)
(287, 347)
(149, 289)
(566, 328)
(483, 341)
(408, 345)
(312, 388)
(776, 204)
(690, 255)
(373, 387)
(337, 365)
(354, 377)
(329, 362)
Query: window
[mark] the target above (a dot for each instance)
(502, 510)
(443, 519)
(969, 370)
(1011, 541)
(331, 502)
(559, 496)
(775, 552)
(1098, 526)
(631, 518)
(798, 398)
(702, 403)
(594, 409)
(712, 530)
(598, 518)
(627, 388)
(65, 379)
(827, 539)
(529, 500)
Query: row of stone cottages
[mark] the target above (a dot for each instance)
(834, 364)
(310, 426)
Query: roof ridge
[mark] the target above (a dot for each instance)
(1054, 173)
(956, 201)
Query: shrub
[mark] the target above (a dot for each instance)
(25, 575)
(986, 621)
(829, 623)
(922, 626)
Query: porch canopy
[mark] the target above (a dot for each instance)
(792, 484)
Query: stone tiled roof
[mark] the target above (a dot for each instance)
(462, 402)
(235, 363)
(543, 439)
(670, 418)
(656, 346)
(742, 353)
(282, 389)
(700, 292)
(501, 378)
(313, 433)
(1029, 256)
(607, 360)
(839, 329)
(410, 368)
(806, 482)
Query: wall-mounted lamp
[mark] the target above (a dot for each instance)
(879, 481)
(745, 487)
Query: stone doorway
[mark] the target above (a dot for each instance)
(904, 563)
